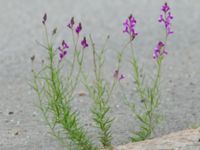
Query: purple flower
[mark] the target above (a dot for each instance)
(129, 26)
(78, 28)
(159, 50)
(121, 77)
(166, 18)
(62, 54)
(165, 8)
(117, 77)
(44, 19)
(62, 50)
(84, 43)
(71, 23)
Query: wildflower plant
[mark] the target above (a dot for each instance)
(56, 89)
(100, 91)
(149, 94)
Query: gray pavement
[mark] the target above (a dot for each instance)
(20, 26)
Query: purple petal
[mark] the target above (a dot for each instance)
(84, 43)
(161, 18)
(165, 8)
(121, 77)
(78, 28)
(64, 52)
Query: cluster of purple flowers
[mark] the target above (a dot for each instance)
(129, 26)
(165, 18)
(71, 26)
(159, 50)
(64, 46)
(63, 50)
(78, 30)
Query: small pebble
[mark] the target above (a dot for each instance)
(18, 123)
(10, 112)
(16, 133)
(117, 106)
(82, 94)
(34, 114)
(6, 121)
(191, 83)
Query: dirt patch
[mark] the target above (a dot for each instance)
(183, 140)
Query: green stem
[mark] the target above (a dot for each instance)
(74, 54)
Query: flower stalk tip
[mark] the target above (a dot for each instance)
(129, 26)
(63, 50)
(78, 28)
(44, 19)
(71, 23)
(165, 8)
(166, 18)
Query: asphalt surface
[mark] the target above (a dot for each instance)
(20, 27)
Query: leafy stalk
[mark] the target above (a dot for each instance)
(98, 93)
